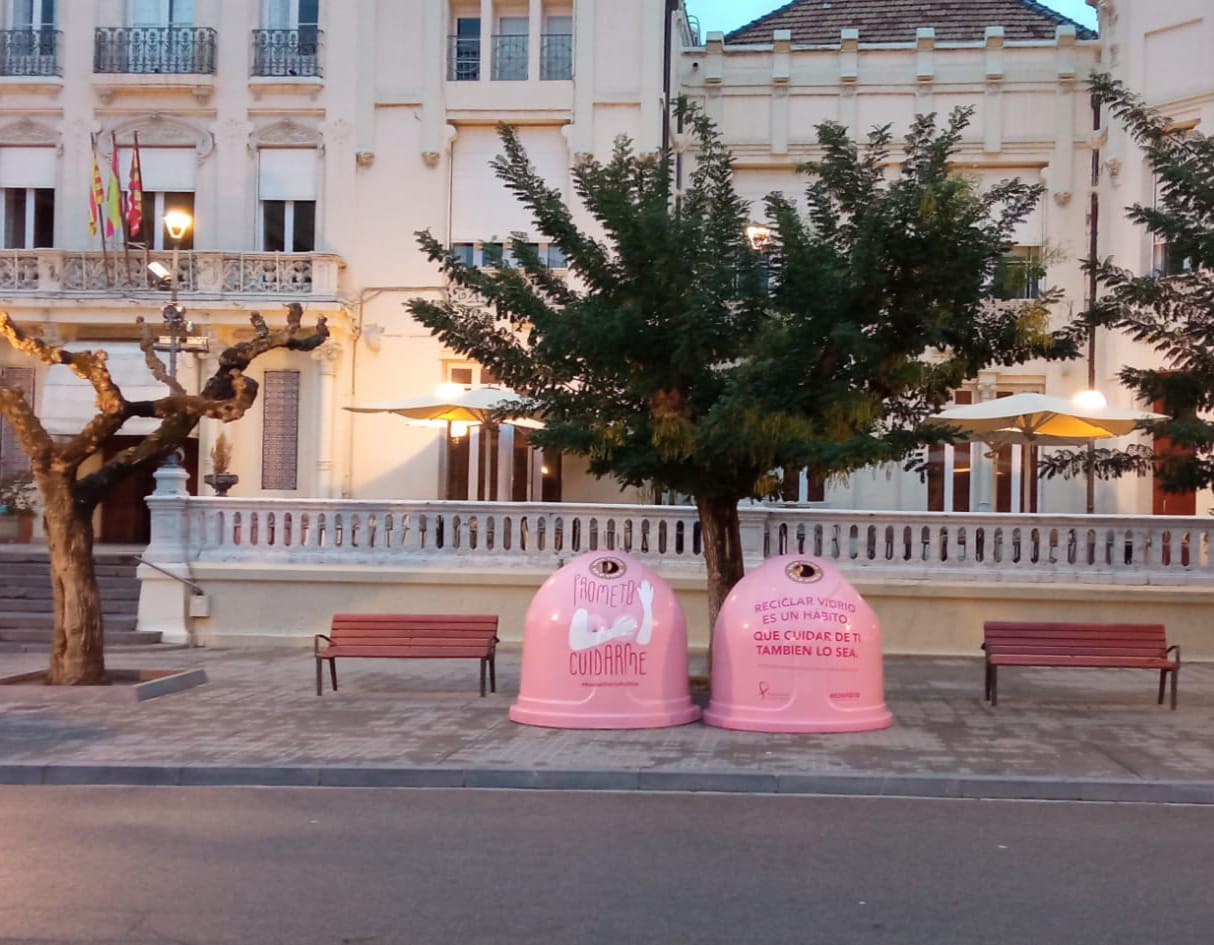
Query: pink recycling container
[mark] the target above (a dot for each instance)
(796, 649)
(604, 646)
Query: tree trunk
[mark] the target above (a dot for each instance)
(77, 654)
(722, 536)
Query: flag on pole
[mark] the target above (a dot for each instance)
(134, 193)
(96, 194)
(113, 197)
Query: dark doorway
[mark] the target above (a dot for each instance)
(125, 519)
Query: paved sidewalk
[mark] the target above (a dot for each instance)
(1061, 734)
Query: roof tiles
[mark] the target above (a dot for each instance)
(819, 22)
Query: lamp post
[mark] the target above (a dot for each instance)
(177, 223)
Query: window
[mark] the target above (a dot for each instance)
(465, 50)
(1019, 274)
(556, 48)
(30, 48)
(494, 255)
(162, 13)
(1165, 261)
(28, 217)
(34, 15)
(510, 49)
(280, 431)
(155, 205)
(287, 193)
(288, 226)
(27, 186)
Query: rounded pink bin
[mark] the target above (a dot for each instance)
(604, 646)
(796, 649)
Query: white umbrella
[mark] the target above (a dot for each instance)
(1041, 419)
(455, 406)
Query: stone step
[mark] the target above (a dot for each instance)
(32, 620)
(24, 592)
(16, 640)
(42, 569)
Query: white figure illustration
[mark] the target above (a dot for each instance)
(587, 630)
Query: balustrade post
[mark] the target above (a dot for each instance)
(752, 523)
(50, 270)
(164, 600)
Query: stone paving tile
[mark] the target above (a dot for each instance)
(260, 709)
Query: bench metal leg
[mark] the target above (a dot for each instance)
(986, 694)
(492, 674)
(1163, 681)
(994, 686)
(333, 673)
(319, 677)
(483, 662)
(1175, 674)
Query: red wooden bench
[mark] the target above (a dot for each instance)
(1024, 643)
(409, 636)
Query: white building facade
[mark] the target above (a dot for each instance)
(310, 139)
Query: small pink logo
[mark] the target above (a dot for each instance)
(764, 689)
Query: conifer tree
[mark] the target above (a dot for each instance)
(1170, 311)
(680, 356)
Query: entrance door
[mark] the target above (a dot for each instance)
(125, 519)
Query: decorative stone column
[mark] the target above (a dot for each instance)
(982, 477)
(327, 356)
(164, 595)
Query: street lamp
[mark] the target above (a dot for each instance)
(759, 236)
(177, 223)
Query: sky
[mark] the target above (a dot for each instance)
(726, 15)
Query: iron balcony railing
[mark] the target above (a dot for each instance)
(144, 50)
(556, 56)
(510, 58)
(287, 52)
(30, 52)
(463, 58)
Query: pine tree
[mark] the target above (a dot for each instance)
(680, 356)
(1170, 311)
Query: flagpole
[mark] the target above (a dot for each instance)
(97, 199)
(126, 244)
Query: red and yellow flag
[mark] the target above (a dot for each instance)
(96, 195)
(134, 194)
(113, 197)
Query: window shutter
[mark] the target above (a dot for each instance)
(14, 464)
(280, 431)
(287, 173)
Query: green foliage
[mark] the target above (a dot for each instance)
(680, 356)
(1173, 314)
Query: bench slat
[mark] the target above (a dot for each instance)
(423, 652)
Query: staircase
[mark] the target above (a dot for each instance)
(27, 610)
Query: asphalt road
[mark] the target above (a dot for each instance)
(205, 866)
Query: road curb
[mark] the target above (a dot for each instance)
(973, 787)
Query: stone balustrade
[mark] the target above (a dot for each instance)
(909, 545)
(211, 274)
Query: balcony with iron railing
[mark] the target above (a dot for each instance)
(288, 53)
(556, 56)
(510, 58)
(47, 273)
(463, 58)
(154, 50)
(30, 52)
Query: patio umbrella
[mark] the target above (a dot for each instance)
(456, 406)
(1041, 419)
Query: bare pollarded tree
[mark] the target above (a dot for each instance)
(69, 499)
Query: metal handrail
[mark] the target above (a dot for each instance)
(144, 50)
(194, 588)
